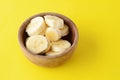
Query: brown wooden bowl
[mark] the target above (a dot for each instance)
(49, 61)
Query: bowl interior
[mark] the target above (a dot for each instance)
(71, 37)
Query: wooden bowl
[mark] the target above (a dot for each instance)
(49, 61)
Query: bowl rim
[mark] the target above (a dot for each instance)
(22, 27)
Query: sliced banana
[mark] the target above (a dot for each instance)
(53, 34)
(65, 30)
(37, 44)
(54, 21)
(60, 45)
(45, 35)
(48, 48)
(36, 26)
(52, 53)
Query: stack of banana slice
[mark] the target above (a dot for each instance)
(45, 35)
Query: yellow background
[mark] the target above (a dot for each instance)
(97, 56)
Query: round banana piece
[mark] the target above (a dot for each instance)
(48, 48)
(65, 30)
(53, 34)
(60, 45)
(37, 44)
(36, 26)
(54, 21)
(52, 53)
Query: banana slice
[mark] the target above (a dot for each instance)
(36, 26)
(65, 30)
(54, 21)
(60, 45)
(52, 53)
(37, 44)
(53, 34)
(48, 48)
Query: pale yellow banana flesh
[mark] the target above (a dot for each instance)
(45, 35)
(54, 21)
(53, 34)
(60, 45)
(53, 53)
(36, 26)
(48, 47)
(37, 44)
(65, 30)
